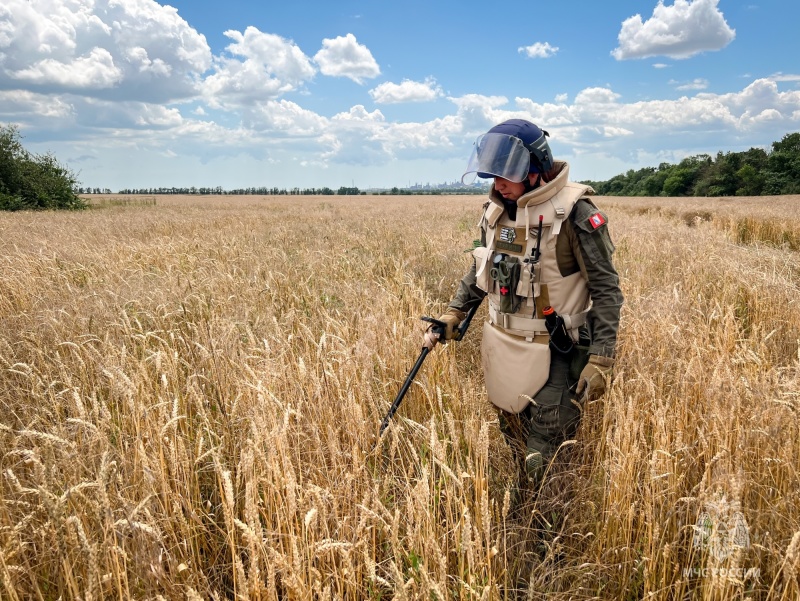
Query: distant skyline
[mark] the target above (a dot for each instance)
(135, 93)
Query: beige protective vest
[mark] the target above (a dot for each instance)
(515, 351)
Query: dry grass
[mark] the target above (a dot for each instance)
(191, 392)
(102, 201)
(768, 220)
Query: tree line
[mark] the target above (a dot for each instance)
(253, 190)
(266, 191)
(754, 172)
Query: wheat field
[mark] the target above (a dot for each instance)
(191, 390)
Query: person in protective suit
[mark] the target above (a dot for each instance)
(545, 264)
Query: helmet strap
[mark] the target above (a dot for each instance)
(529, 187)
(540, 154)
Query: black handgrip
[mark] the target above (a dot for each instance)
(439, 327)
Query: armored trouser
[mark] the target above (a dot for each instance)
(553, 417)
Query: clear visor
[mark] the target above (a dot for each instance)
(498, 155)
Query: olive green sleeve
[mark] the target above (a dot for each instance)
(597, 250)
(468, 294)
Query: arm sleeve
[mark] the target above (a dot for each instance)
(596, 250)
(468, 294)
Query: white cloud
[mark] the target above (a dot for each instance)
(470, 101)
(286, 118)
(345, 57)
(759, 96)
(123, 119)
(436, 134)
(538, 50)
(95, 71)
(616, 132)
(157, 116)
(138, 55)
(696, 84)
(406, 91)
(478, 113)
(21, 104)
(768, 115)
(660, 66)
(272, 66)
(137, 49)
(784, 77)
(684, 29)
(276, 55)
(358, 114)
(561, 97)
(363, 138)
(596, 96)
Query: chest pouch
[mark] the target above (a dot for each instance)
(506, 272)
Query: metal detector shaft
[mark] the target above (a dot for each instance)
(409, 379)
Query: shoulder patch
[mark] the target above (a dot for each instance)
(597, 220)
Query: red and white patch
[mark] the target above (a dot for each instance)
(597, 220)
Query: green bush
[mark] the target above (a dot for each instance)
(29, 181)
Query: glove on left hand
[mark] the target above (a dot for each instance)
(592, 381)
(452, 318)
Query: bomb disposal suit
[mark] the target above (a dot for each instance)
(551, 247)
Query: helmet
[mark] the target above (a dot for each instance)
(511, 150)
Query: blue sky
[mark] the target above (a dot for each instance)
(135, 93)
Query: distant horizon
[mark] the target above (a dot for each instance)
(478, 185)
(239, 191)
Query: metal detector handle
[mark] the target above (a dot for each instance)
(439, 327)
(461, 330)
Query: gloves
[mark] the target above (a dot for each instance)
(451, 318)
(592, 381)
